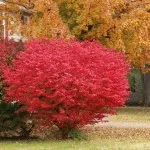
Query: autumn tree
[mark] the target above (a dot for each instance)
(131, 34)
(68, 84)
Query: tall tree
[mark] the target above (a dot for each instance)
(131, 34)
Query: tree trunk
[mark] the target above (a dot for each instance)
(64, 133)
(147, 89)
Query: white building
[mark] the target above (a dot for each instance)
(7, 34)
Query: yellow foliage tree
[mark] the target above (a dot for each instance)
(90, 18)
(132, 35)
(84, 18)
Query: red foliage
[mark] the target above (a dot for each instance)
(68, 84)
(8, 51)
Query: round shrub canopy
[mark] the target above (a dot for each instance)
(68, 84)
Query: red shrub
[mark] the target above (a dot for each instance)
(8, 51)
(68, 84)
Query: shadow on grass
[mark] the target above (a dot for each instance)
(20, 138)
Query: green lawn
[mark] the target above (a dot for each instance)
(99, 138)
(96, 144)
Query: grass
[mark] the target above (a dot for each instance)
(99, 138)
(95, 144)
(131, 114)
